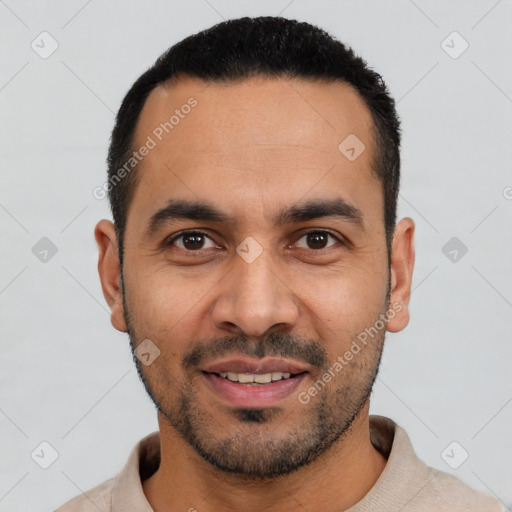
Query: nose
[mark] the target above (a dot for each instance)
(254, 299)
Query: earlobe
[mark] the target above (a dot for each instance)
(402, 266)
(110, 272)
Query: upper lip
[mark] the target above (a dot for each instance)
(255, 366)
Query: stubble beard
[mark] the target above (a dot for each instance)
(254, 450)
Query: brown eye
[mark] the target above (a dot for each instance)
(317, 240)
(191, 241)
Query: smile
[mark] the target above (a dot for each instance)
(255, 378)
(253, 390)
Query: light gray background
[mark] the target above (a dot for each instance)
(66, 376)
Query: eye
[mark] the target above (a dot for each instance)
(317, 240)
(192, 241)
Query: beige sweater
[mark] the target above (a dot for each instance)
(405, 485)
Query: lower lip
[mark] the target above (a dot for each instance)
(247, 396)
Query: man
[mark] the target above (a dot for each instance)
(256, 263)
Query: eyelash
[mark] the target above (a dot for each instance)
(200, 233)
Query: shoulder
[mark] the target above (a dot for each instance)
(446, 492)
(410, 485)
(98, 498)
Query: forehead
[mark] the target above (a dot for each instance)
(250, 140)
(274, 111)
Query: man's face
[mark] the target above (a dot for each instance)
(257, 292)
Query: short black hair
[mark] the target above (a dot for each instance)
(242, 48)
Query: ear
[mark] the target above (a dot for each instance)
(109, 270)
(402, 265)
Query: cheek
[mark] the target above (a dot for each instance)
(158, 293)
(343, 304)
(167, 306)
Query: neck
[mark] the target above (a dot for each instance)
(335, 481)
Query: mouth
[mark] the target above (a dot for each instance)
(256, 379)
(254, 384)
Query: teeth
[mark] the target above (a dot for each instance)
(245, 378)
(263, 378)
(259, 378)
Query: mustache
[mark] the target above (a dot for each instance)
(275, 345)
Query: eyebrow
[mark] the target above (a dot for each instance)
(198, 210)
